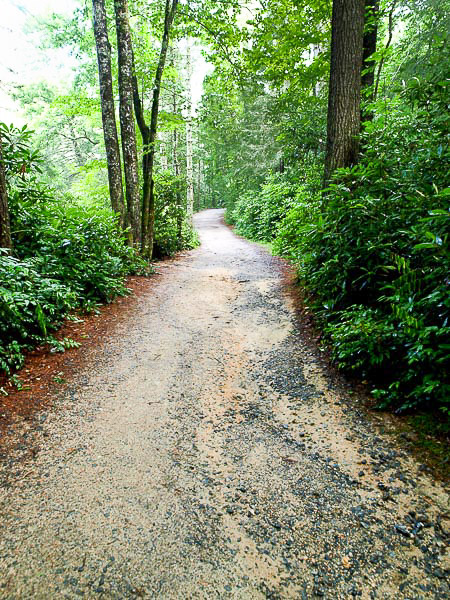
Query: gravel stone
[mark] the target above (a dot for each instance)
(208, 453)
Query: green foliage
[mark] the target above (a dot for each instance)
(374, 256)
(283, 35)
(78, 246)
(274, 212)
(257, 214)
(67, 135)
(62, 345)
(239, 136)
(66, 258)
(297, 224)
(363, 341)
(173, 231)
(19, 158)
(422, 49)
(30, 306)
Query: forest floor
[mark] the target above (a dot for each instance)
(202, 450)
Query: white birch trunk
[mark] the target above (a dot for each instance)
(163, 151)
(199, 184)
(189, 166)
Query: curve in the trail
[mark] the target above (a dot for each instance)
(206, 454)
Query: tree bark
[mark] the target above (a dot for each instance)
(344, 99)
(372, 9)
(108, 111)
(5, 229)
(199, 185)
(149, 135)
(189, 163)
(127, 128)
(176, 168)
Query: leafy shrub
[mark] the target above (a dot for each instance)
(374, 255)
(30, 307)
(19, 159)
(173, 232)
(360, 331)
(257, 214)
(65, 257)
(297, 224)
(80, 247)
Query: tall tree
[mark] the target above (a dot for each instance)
(344, 98)
(189, 165)
(5, 230)
(127, 127)
(371, 12)
(177, 170)
(108, 110)
(149, 133)
(388, 43)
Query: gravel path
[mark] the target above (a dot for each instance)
(205, 454)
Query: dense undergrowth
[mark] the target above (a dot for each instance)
(372, 249)
(173, 230)
(66, 257)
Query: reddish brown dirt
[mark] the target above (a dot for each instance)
(200, 442)
(400, 426)
(42, 366)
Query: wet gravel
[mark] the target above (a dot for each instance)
(206, 454)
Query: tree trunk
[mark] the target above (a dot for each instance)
(189, 165)
(108, 110)
(344, 115)
(176, 168)
(163, 153)
(199, 185)
(127, 128)
(5, 230)
(372, 8)
(149, 135)
(75, 144)
(388, 43)
(145, 135)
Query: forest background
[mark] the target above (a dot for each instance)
(322, 129)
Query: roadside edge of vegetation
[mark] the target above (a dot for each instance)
(67, 258)
(371, 251)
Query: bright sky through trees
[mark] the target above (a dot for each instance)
(20, 60)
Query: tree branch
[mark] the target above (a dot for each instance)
(81, 137)
(212, 34)
(388, 43)
(138, 106)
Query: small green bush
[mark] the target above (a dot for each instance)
(31, 306)
(173, 231)
(81, 248)
(257, 214)
(66, 257)
(297, 224)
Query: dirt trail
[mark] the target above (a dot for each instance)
(205, 454)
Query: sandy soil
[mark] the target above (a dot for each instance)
(205, 453)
